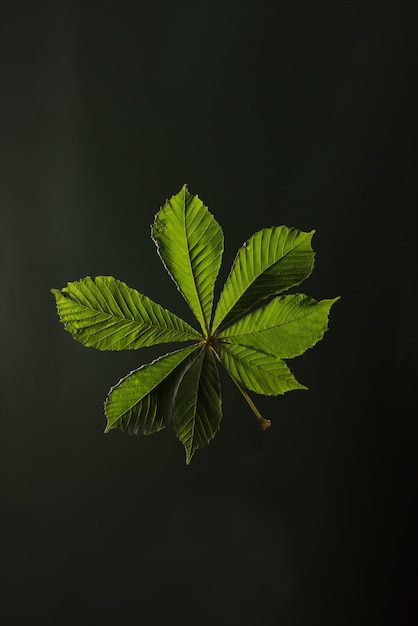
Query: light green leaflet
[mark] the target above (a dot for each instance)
(190, 243)
(252, 339)
(272, 260)
(104, 313)
(286, 327)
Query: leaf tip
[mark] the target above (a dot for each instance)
(331, 302)
(57, 293)
(108, 428)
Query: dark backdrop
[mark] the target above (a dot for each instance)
(291, 113)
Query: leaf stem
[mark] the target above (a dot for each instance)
(214, 352)
(264, 423)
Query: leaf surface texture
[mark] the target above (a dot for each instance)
(258, 371)
(272, 260)
(106, 314)
(286, 327)
(197, 408)
(190, 244)
(142, 402)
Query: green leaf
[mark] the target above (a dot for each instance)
(271, 261)
(258, 371)
(142, 402)
(249, 337)
(190, 243)
(197, 407)
(286, 327)
(106, 314)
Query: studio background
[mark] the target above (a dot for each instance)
(291, 113)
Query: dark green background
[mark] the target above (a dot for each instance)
(294, 113)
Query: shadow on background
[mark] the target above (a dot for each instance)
(301, 114)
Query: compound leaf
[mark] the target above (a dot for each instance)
(258, 371)
(286, 327)
(142, 402)
(272, 260)
(197, 407)
(105, 313)
(249, 337)
(190, 243)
